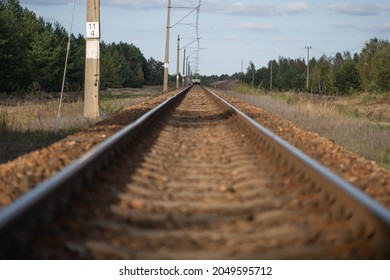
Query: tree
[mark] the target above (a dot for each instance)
(136, 64)
(365, 65)
(9, 54)
(14, 73)
(112, 64)
(347, 78)
(263, 78)
(249, 77)
(154, 73)
(47, 54)
(319, 76)
(291, 74)
(76, 63)
(381, 68)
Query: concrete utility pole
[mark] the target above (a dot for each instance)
(189, 72)
(178, 63)
(184, 68)
(166, 64)
(253, 74)
(92, 60)
(308, 71)
(242, 71)
(270, 83)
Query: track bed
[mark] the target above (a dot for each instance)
(197, 186)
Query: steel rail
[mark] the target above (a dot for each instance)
(364, 214)
(19, 218)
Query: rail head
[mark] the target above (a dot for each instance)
(370, 216)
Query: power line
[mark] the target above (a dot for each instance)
(191, 22)
(382, 34)
(65, 69)
(185, 17)
(198, 38)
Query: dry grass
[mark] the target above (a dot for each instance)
(323, 116)
(27, 125)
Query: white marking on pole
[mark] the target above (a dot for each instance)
(93, 49)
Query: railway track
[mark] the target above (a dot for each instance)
(195, 179)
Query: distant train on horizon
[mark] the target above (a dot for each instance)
(196, 80)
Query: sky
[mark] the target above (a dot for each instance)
(232, 32)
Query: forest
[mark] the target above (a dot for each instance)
(343, 74)
(30, 48)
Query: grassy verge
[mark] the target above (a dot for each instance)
(28, 124)
(338, 119)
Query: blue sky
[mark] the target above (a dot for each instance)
(232, 31)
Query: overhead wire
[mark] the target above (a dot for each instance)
(191, 23)
(184, 17)
(382, 34)
(65, 69)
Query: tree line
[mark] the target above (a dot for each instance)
(32, 56)
(367, 71)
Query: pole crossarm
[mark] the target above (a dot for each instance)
(191, 43)
(193, 10)
(187, 69)
(177, 7)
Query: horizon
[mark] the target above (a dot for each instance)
(231, 31)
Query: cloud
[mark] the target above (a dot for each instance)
(296, 8)
(46, 2)
(128, 4)
(233, 38)
(256, 27)
(254, 9)
(383, 28)
(358, 9)
(138, 4)
(228, 7)
(280, 39)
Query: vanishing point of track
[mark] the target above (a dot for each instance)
(194, 179)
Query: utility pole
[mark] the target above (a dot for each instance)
(178, 63)
(242, 71)
(184, 68)
(166, 63)
(270, 83)
(187, 71)
(92, 60)
(253, 74)
(308, 71)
